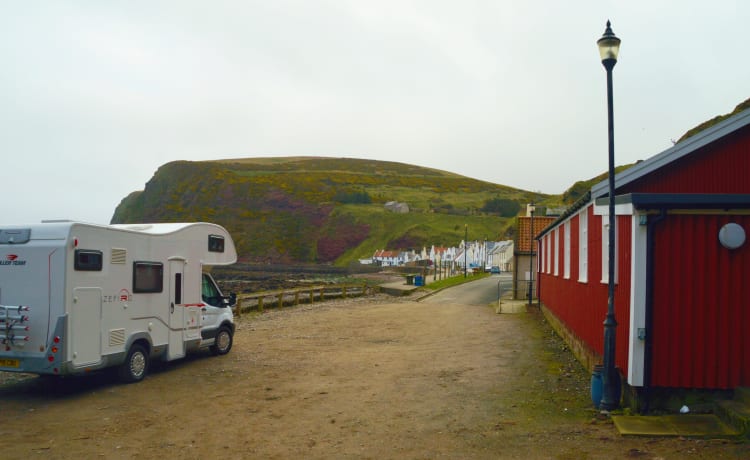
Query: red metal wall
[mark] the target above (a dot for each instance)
(701, 322)
(582, 307)
(701, 328)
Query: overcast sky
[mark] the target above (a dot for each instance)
(96, 95)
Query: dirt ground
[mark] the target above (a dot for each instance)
(375, 377)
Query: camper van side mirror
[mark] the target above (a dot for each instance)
(232, 299)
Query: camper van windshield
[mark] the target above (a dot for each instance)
(210, 292)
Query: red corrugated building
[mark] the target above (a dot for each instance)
(682, 270)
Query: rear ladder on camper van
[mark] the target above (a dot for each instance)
(14, 326)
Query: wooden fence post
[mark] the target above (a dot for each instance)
(347, 290)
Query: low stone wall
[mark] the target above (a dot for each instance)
(583, 353)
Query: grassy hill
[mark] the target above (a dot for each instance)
(708, 123)
(322, 210)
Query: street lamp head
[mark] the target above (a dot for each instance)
(609, 47)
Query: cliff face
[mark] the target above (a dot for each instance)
(315, 210)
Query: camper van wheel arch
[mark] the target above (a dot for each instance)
(135, 367)
(223, 342)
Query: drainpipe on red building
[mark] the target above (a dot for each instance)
(648, 358)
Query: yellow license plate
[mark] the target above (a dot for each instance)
(9, 362)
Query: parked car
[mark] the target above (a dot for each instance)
(495, 269)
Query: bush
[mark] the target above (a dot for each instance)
(352, 197)
(502, 206)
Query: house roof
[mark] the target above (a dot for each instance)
(679, 150)
(523, 241)
(682, 200)
(501, 246)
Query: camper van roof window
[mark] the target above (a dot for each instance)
(15, 236)
(215, 243)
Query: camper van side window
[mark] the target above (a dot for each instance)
(88, 260)
(148, 276)
(215, 243)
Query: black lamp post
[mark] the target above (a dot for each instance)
(466, 242)
(609, 46)
(531, 252)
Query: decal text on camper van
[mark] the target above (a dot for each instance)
(12, 259)
(123, 296)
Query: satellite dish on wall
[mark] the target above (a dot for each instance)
(732, 236)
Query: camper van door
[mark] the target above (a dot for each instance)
(176, 347)
(85, 326)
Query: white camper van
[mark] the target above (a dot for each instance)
(75, 297)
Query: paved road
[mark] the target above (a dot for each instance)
(481, 292)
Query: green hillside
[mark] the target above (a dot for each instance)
(323, 210)
(580, 188)
(708, 123)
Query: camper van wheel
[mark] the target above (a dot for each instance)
(136, 364)
(223, 342)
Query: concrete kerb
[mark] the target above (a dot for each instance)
(398, 288)
(423, 294)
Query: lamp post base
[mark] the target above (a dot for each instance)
(611, 393)
(611, 386)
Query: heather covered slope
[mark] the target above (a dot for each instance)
(322, 210)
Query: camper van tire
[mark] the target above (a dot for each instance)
(136, 364)
(223, 341)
